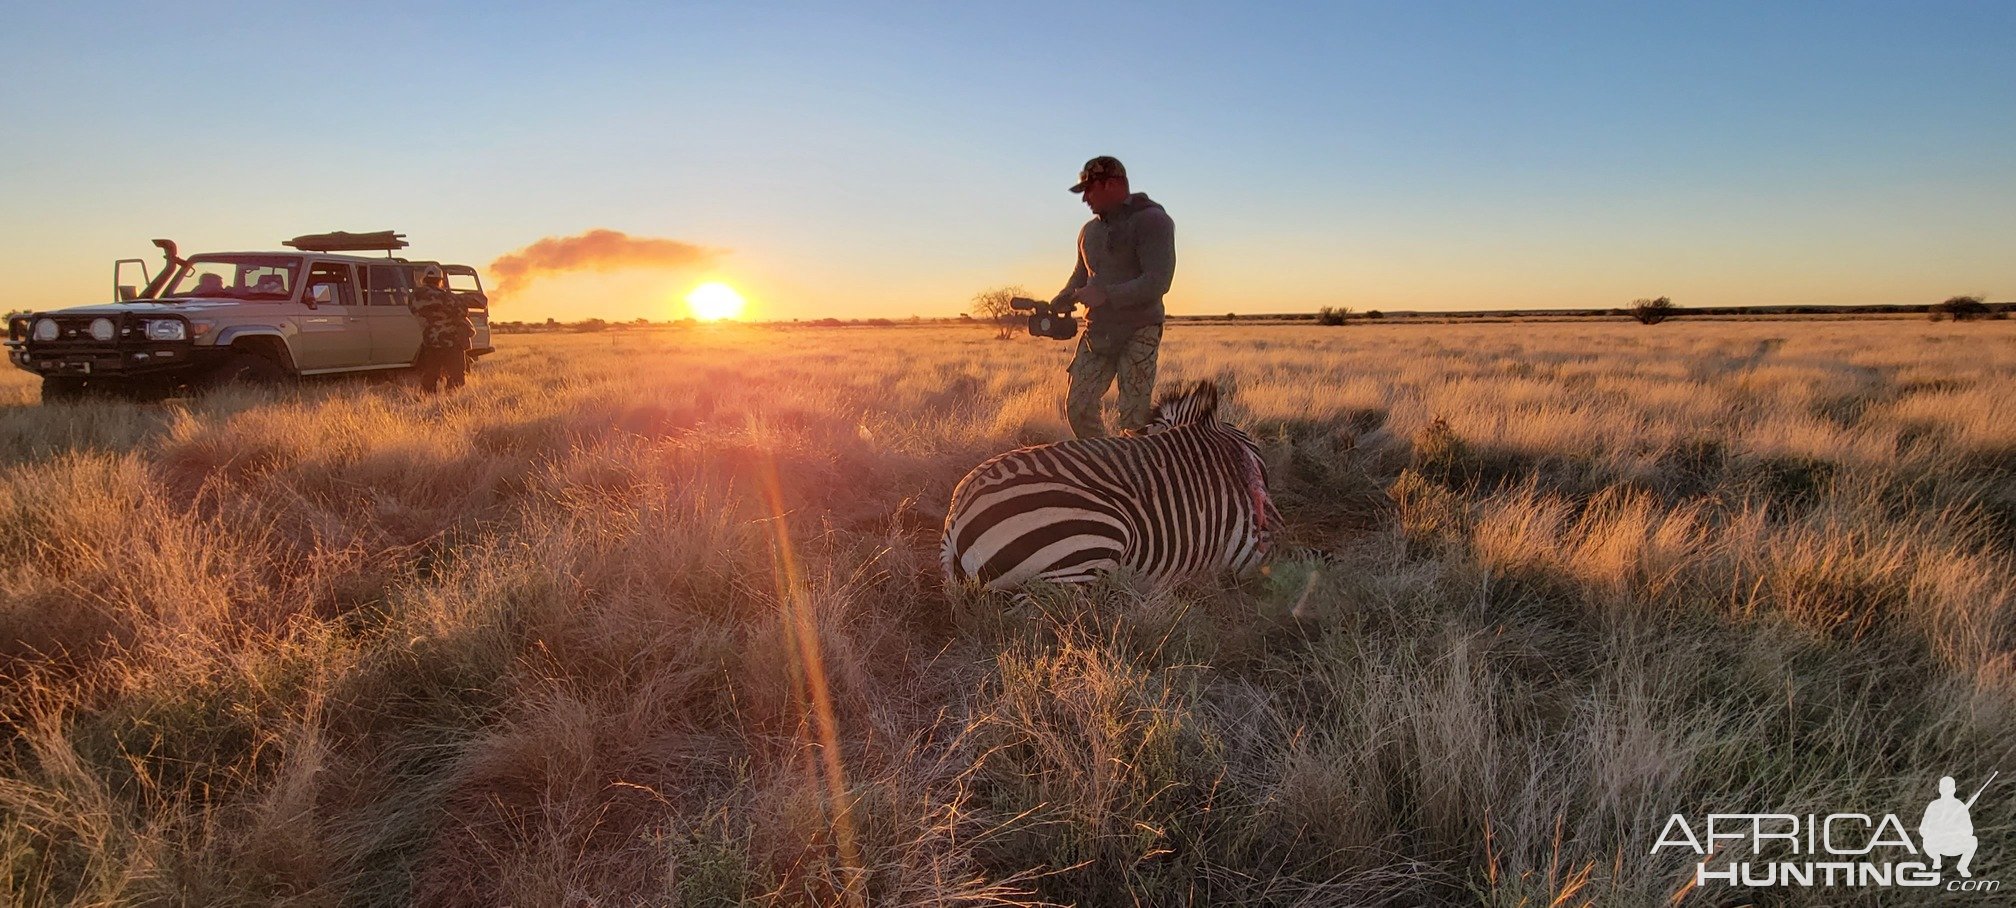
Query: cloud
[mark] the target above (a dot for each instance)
(595, 250)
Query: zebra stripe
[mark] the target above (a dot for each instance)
(1186, 496)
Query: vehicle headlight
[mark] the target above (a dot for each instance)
(167, 329)
(101, 329)
(45, 329)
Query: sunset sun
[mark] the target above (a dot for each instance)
(715, 301)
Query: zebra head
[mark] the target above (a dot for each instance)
(1194, 405)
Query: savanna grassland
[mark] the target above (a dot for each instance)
(653, 618)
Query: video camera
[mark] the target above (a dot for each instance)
(1047, 319)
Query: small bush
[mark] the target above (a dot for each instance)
(1333, 315)
(1654, 311)
(1960, 309)
(1440, 454)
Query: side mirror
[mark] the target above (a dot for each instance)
(319, 294)
(128, 293)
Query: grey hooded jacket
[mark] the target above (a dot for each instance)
(1131, 252)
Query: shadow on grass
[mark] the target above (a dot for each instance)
(1329, 477)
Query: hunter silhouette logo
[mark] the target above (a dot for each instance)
(1763, 850)
(1948, 828)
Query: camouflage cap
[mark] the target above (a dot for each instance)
(1099, 168)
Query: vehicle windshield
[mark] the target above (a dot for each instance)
(243, 277)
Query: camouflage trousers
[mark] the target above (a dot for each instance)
(441, 365)
(1131, 358)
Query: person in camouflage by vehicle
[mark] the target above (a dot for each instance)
(444, 332)
(1126, 259)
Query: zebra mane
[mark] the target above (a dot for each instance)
(1193, 405)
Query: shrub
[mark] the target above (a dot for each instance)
(992, 307)
(1440, 455)
(1960, 309)
(1333, 315)
(1652, 312)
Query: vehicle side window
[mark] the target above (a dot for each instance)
(383, 287)
(336, 277)
(240, 277)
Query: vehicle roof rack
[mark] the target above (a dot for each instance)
(382, 241)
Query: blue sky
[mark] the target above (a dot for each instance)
(870, 159)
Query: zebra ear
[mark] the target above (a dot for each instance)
(1205, 396)
(1197, 403)
(1168, 411)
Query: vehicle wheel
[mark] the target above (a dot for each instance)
(64, 390)
(244, 368)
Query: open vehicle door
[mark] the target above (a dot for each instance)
(462, 279)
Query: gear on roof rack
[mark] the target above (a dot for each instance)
(382, 241)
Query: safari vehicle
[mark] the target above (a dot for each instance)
(254, 317)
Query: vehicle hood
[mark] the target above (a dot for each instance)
(148, 307)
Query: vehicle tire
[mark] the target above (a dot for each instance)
(64, 390)
(242, 367)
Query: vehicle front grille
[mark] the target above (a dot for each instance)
(75, 331)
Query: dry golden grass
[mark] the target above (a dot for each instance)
(651, 618)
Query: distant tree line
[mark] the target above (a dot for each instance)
(555, 326)
(990, 309)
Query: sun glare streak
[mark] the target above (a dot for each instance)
(810, 667)
(714, 301)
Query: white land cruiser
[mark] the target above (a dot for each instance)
(258, 317)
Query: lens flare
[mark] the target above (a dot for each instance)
(714, 301)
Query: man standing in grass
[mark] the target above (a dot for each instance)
(1126, 259)
(444, 332)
